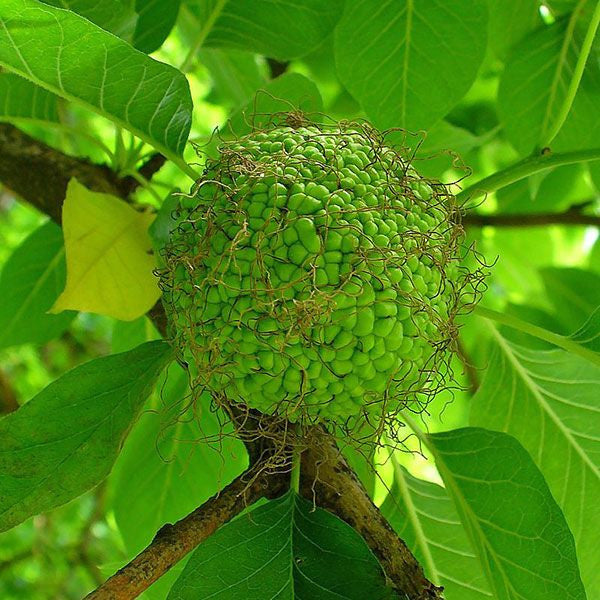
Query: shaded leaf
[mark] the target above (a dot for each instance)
(408, 63)
(282, 29)
(70, 56)
(510, 21)
(116, 16)
(548, 400)
(109, 259)
(31, 280)
(174, 460)
(66, 439)
(519, 532)
(155, 20)
(286, 93)
(423, 515)
(236, 75)
(21, 99)
(574, 293)
(533, 87)
(283, 549)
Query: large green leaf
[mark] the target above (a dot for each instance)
(174, 460)
(423, 515)
(533, 87)
(21, 99)
(408, 63)
(283, 549)
(70, 56)
(31, 280)
(66, 439)
(518, 531)
(155, 21)
(548, 400)
(282, 29)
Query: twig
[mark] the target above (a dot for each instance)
(569, 217)
(469, 368)
(173, 542)
(8, 398)
(524, 168)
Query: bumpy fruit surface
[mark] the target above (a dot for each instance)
(312, 274)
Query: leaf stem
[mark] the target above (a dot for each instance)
(561, 341)
(210, 21)
(586, 47)
(524, 168)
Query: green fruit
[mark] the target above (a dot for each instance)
(312, 267)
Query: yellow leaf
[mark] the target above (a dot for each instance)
(109, 256)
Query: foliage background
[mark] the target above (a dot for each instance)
(486, 80)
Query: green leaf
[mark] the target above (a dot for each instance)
(588, 335)
(173, 460)
(286, 93)
(548, 400)
(510, 21)
(283, 549)
(282, 29)
(66, 439)
(116, 16)
(533, 87)
(550, 191)
(155, 20)
(21, 99)
(31, 280)
(574, 293)
(236, 75)
(408, 63)
(519, 532)
(423, 515)
(70, 56)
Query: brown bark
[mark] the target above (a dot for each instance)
(173, 542)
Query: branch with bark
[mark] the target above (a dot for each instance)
(39, 174)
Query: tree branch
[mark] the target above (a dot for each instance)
(173, 542)
(569, 217)
(39, 173)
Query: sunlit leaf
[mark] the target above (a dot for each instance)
(70, 56)
(283, 549)
(66, 439)
(409, 63)
(518, 531)
(423, 515)
(548, 400)
(109, 256)
(30, 282)
(21, 99)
